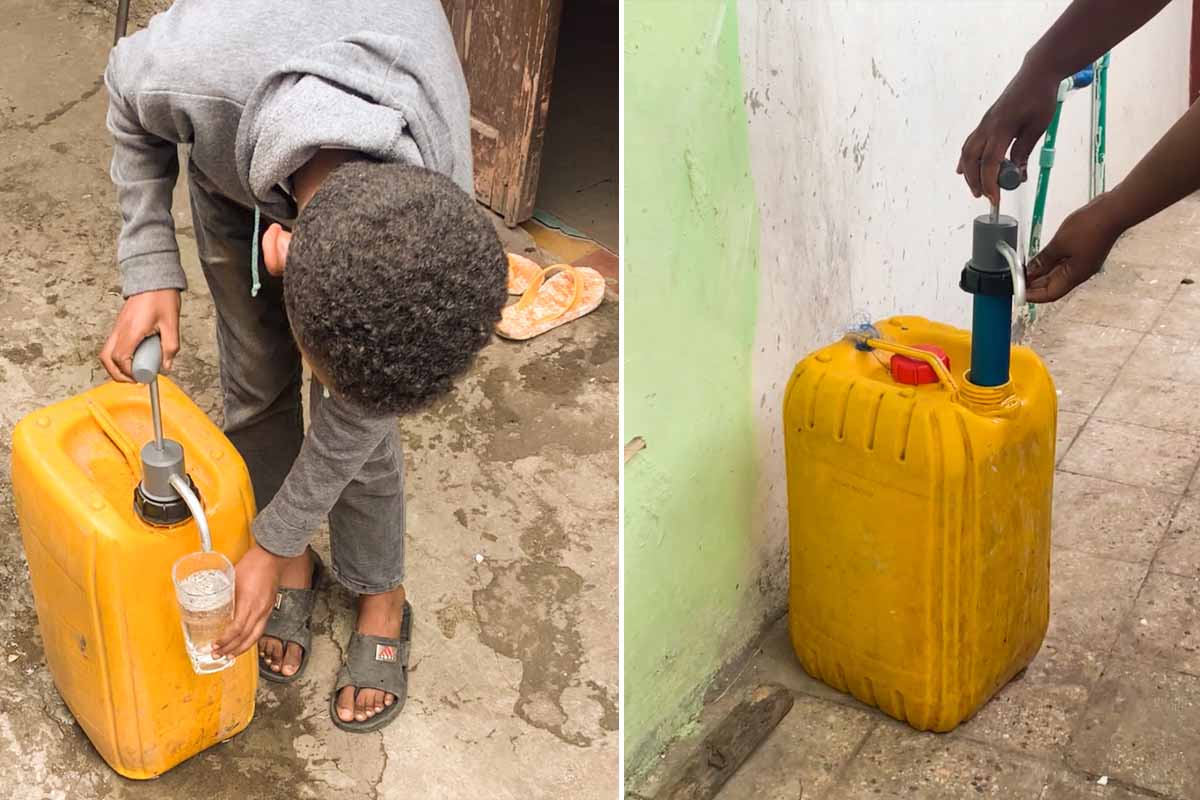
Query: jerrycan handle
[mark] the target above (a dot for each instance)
(115, 435)
(939, 369)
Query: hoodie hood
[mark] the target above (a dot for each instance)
(368, 92)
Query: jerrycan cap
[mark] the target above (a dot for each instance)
(914, 372)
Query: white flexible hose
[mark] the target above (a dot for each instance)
(180, 485)
(1017, 270)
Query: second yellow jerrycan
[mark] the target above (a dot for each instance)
(100, 548)
(920, 508)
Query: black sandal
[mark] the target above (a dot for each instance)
(375, 662)
(291, 623)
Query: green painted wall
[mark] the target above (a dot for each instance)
(690, 293)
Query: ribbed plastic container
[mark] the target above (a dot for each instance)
(919, 523)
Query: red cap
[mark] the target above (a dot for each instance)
(915, 372)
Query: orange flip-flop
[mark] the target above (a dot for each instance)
(556, 296)
(521, 272)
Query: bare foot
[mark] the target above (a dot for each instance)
(378, 615)
(296, 574)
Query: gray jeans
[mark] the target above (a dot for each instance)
(260, 369)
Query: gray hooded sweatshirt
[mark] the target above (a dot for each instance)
(254, 88)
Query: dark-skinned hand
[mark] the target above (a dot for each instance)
(255, 583)
(1018, 118)
(1075, 254)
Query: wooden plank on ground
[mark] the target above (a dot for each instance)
(729, 745)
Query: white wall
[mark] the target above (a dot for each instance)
(857, 112)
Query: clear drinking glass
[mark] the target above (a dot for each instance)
(204, 588)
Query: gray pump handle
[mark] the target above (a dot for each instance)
(147, 359)
(1009, 176)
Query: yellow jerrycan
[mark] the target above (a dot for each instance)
(919, 521)
(101, 532)
(920, 469)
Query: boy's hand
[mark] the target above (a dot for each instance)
(142, 315)
(1019, 117)
(1076, 252)
(255, 583)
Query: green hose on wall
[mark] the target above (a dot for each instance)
(1097, 77)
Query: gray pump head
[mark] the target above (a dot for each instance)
(988, 272)
(155, 499)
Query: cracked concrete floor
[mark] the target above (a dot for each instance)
(1109, 707)
(512, 485)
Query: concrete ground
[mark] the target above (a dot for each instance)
(1110, 708)
(512, 485)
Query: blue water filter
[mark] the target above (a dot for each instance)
(987, 276)
(991, 331)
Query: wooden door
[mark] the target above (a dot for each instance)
(507, 49)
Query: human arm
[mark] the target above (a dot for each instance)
(1083, 32)
(1165, 175)
(144, 170)
(339, 442)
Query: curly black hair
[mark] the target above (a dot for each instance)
(394, 281)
